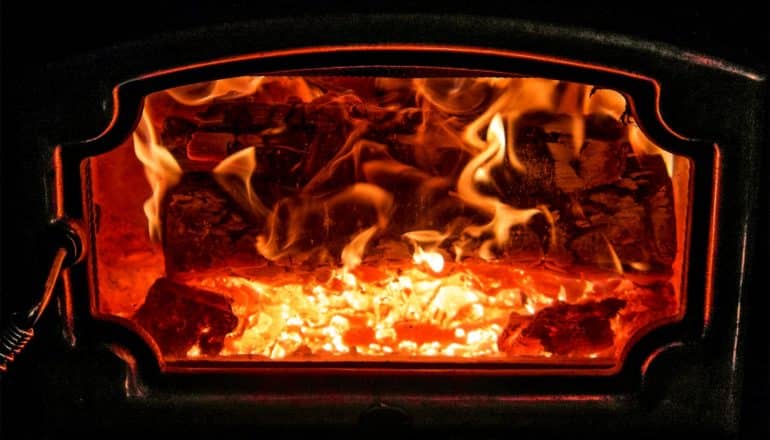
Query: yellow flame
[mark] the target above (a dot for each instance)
(194, 351)
(354, 251)
(503, 216)
(425, 244)
(562, 295)
(432, 259)
(160, 168)
(640, 266)
(493, 155)
(617, 265)
(240, 165)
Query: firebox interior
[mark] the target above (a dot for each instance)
(466, 219)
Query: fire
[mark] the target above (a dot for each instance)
(346, 218)
(434, 260)
(160, 167)
(283, 241)
(241, 166)
(503, 216)
(204, 93)
(351, 255)
(431, 257)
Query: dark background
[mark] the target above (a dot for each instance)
(36, 35)
(736, 31)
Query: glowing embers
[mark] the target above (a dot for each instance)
(473, 309)
(317, 218)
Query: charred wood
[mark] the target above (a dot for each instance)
(565, 329)
(179, 317)
(203, 227)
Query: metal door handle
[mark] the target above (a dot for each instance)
(20, 328)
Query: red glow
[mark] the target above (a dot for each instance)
(521, 267)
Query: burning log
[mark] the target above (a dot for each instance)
(176, 131)
(244, 116)
(209, 146)
(634, 216)
(604, 127)
(617, 226)
(602, 163)
(658, 195)
(605, 204)
(649, 300)
(564, 329)
(405, 217)
(528, 187)
(204, 228)
(613, 203)
(180, 318)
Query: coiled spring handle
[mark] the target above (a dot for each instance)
(21, 326)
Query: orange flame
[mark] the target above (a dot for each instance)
(273, 246)
(203, 93)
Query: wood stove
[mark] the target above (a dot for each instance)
(499, 232)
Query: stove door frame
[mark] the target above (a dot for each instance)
(643, 390)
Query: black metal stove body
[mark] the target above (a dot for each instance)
(683, 377)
